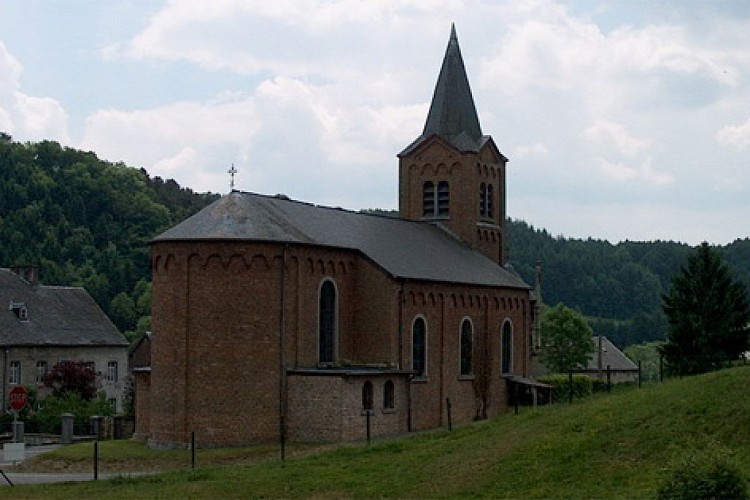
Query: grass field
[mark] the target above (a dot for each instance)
(608, 446)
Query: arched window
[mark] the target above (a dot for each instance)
(482, 199)
(327, 323)
(506, 348)
(367, 396)
(489, 207)
(466, 347)
(486, 202)
(444, 198)
(419, 347)
(428, 199)
(388, 395)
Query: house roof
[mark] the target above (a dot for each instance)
(57, 316)
(404, 249)
(611, 356)
(453, 115)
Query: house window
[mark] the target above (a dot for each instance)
(41, 370)
(90, 365)
(419, 347)
(112, 371)
(113, 404)
(14, 377)
(367, 396)
(428, 199)
(466, 347)
(506, 348)
(388, 395)
(444, 198)
(327, 323)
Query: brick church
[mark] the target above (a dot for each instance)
(274, 318)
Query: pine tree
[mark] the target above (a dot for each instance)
(708, 315)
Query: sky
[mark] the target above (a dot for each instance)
(622, 119)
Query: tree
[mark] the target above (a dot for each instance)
(567, 339)
(708, 315)
(72, 376)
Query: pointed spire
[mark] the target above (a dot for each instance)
(453, 115)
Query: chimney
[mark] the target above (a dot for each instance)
(28, 273)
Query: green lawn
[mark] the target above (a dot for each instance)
(609, 446)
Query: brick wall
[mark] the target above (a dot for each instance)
(217, 326)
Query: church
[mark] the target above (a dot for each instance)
(275, 319)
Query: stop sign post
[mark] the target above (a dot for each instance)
(18, 398)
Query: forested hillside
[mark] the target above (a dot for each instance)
(86, 222)
(618, 287)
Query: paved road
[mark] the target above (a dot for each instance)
(39, 478)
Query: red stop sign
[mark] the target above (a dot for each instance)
(18, 397)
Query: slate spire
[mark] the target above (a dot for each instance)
(453, 115)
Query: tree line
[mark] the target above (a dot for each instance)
(618, 287)
(87, 222)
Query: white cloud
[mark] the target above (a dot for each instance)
(737, 136)
(35, 118)
(616, 134)
(523, 151)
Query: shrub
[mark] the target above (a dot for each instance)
(48, 417)
(582, 386)
(702, 474)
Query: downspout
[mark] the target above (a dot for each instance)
(282, 355)
(441, 388)
(401, 299)
(186, 395)
(5, 375)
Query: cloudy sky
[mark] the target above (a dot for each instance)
(623, 119)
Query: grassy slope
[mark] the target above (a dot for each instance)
(608, 446)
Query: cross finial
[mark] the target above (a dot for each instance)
(231, 173)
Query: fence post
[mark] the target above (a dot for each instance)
(515, 397)
(367, 420)
(609, 379)
(96, 460)
(661, 367)
(448, 409)
(192, 449)
(66, 428)
(570, 386)
(640, 373)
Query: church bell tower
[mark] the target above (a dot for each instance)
(452, 174)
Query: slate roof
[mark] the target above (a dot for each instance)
(57, 316)
(404, 249)
(453, 115)
(611, 356)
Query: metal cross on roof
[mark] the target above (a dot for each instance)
(231, 173)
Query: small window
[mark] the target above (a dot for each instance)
(506, 348)
(388, 395)
(112, 371)
(428, 199)
(367, 396)
(466, 347)
(113, 404)
(419, 347)
(41, 370)
(489, 201)
(444, 198)
(14, 377)
(327, 323)
(486, 200)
